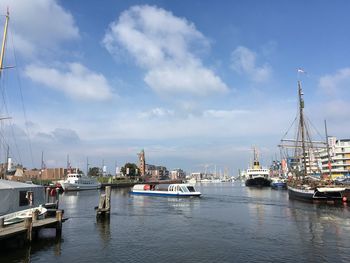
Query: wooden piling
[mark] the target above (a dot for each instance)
(47, 195)
(59, 216)
(28, 224)
(2, 222)
(104, 204)
(108, 198)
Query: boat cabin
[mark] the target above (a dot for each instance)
(17, 196)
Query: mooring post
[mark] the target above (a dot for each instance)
(57, 197)
(47, 195)
(108, 199)
(35, 215)
(2, 222)
(59, 216)
(29, 226)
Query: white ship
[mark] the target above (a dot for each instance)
(77, 182)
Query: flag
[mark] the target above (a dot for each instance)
(299, 70)
(329, 165)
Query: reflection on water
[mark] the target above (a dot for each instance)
(229, 223)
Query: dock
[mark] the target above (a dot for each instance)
(29, 228)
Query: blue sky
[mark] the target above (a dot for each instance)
(194, 83)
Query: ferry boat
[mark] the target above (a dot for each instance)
(77, 182)
(256, 175)
(176, 190)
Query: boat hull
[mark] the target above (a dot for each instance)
(258, 182)
(279, 185)
(79, 187)
(165, 193)
(19, 216)
(315, 195)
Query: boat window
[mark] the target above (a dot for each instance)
(191, 189)
(26, 198)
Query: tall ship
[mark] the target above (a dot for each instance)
(77, 182)
(256, 175)
(305, 182)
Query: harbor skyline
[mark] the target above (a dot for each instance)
(194, 84)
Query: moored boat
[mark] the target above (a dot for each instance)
(278, 183)
(19, 216)
(78, 182)
(176, 190)
(256, 175)
(317, 194)
(303, 185)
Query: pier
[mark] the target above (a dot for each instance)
(28, 230)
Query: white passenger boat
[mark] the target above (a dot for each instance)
(77, 182)
(177, 190)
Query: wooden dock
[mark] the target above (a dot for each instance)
(29, 228)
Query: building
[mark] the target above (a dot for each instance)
(142, 163)
(339, 157)
(156, 172)
(197, 176)
(53, 174)
(177, 174)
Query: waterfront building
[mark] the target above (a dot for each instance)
(198, 176)
(177, 174)
(339, 152)
(156, 172)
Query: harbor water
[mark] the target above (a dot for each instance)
(229, 223)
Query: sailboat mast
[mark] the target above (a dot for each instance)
(329, 156)
(4, 41)
(302, 125)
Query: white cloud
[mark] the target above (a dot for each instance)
(157, 113)
(224, 113)
(332, 83)
(39, 25)
(243, 61)
(164, 45)
(77, 81)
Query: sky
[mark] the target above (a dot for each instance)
(196, 84)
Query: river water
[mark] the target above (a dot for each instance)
(229, 223)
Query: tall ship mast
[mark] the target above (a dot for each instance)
(302, 185)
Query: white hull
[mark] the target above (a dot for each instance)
(165, 193)
(176, 190)
(78, 182)
(19, 216)
(79, 187)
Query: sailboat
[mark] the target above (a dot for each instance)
(303, 186)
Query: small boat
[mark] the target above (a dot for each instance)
(177, 190)
(77, 182)
(278, 183)
(19, 216)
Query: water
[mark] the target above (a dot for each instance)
(230, 223)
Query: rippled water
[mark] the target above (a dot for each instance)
(229, 223)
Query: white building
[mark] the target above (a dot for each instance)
(339, 151)
(177, 174)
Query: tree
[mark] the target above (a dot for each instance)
(94, 171)
(130, 170)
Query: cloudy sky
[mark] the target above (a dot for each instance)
(193, 83)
